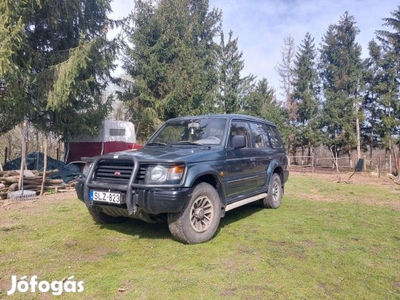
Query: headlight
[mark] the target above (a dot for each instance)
(86, 169)
(164, 174)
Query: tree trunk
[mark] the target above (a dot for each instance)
(358, 132)
(23, 156)
(44, 167)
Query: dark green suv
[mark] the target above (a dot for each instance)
(190, 172)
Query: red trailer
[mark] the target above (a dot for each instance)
(113, 136)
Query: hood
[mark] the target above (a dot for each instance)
(170, 154)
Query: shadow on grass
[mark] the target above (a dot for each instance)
(140, 229)
(134, 227)
(240, 213)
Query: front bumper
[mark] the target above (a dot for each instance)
(153, 201)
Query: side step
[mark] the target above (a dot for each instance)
(245, 201)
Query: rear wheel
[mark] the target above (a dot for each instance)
(100, 217)
(275, 192)
(199, 221)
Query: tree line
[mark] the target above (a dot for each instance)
(56, 65)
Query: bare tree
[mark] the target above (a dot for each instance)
(286, 70)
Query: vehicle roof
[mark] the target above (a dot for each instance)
(225, 116)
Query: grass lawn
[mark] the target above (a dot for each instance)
(328, 240)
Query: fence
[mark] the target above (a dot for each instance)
(307, 163)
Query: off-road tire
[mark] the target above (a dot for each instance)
(200, 219)
(100, 217)
(275, 193)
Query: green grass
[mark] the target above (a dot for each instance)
(326, 241)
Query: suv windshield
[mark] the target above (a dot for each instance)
(204, 131)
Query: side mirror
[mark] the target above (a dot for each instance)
(238, 141)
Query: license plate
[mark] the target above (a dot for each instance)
(105, 197)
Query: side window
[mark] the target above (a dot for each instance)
(239, 128)
(274, 137)
(260, 136)
(117, 131)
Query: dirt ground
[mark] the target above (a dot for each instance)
(369, 178)
(27, 204)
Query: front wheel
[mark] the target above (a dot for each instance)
(199, 221)
(275, 192)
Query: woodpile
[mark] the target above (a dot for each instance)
(32, 181)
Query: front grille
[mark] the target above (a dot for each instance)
(117, 171)
(141, 174)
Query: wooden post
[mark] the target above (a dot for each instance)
(365, 163)
(379, 167)
(398, 165)
(5, 155)
(23, 156)
(37, 160)
(313, 162)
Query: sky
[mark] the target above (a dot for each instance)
(262, 25)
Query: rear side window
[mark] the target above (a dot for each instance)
(260, 135)
(274, 137)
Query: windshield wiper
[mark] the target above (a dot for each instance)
(156, 144)
(187, 143)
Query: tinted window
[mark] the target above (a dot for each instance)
(240, 128)
(274, 137)
(260, 136)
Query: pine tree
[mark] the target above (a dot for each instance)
(373, 129)
(172, 60)
(144, 82)
(231, 65)
(13, 68)
(341, 73)
(389, 81)
(305, 95)
(207, 25)
(59, 64)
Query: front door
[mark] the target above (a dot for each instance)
(241, 170)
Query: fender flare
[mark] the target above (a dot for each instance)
(200, 170)
(271, 170)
